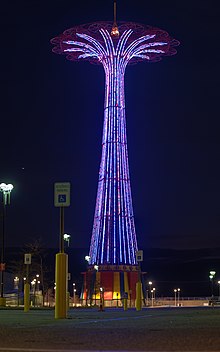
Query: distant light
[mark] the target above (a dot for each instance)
(66, 237)
(212, 273)
(115, 32)
(87, 258)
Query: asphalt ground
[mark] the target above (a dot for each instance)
(151, 329)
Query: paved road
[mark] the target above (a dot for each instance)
(176, 329)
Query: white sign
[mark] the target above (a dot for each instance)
(62, 194)
(139, 256)
(27, 258)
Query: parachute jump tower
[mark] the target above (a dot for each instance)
(112, 264)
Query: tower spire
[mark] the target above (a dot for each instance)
(115, 32)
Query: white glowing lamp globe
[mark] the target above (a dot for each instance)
(6, 188)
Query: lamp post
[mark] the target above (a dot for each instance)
(150, 283)
(96, 267)
(211, 277)
(152, 298)
(5, 189)
(175, 291)
(87, 258)
(178, 297)
(102, 300)
(74, 294)
(16, 287)
(219, 290)
(33, 286)
(66, 238)
(147, 293)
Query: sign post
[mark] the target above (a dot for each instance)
(139, 258)
(61, 200)
(27, 262)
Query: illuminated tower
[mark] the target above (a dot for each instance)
(113, 244)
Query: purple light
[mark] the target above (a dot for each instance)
(113, 238)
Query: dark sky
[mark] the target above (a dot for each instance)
(52, 116)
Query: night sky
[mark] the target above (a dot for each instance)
(52, 117)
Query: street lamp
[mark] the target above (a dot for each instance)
(152, 298)
(178, 297)
(219, 290)
(175, 291)
(211, 277)
(74, 294)
(16, 283)
(154, 294)
(5, 189)
(66, 238)
(150, 283)
(96, 267)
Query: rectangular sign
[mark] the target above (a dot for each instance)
(139, 256)
(62, 194)
(27, 258)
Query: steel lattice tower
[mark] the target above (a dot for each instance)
(113, 241)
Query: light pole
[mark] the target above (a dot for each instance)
(66, 238)
(152, 298)
(154, 295)
(175, 291)
(96, 267)
(219, 290)
(178, 297)
(211, 277)
(5, 189)
(150, 283)
(16, 287)
(33, 286)
(87, 258)
(74, 294)
(147, 296)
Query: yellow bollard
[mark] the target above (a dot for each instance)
(26, 297)
(138, 295)
(61, 286)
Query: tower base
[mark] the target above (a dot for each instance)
(114, 283)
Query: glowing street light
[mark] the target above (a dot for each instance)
(5, 189)
(16, 283)
(219, 289)
(211, 277)
(87, 258)
(178, 297)
(74, 294)
(66, 238)
(152, 298)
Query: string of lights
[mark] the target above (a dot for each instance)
(113, 239)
